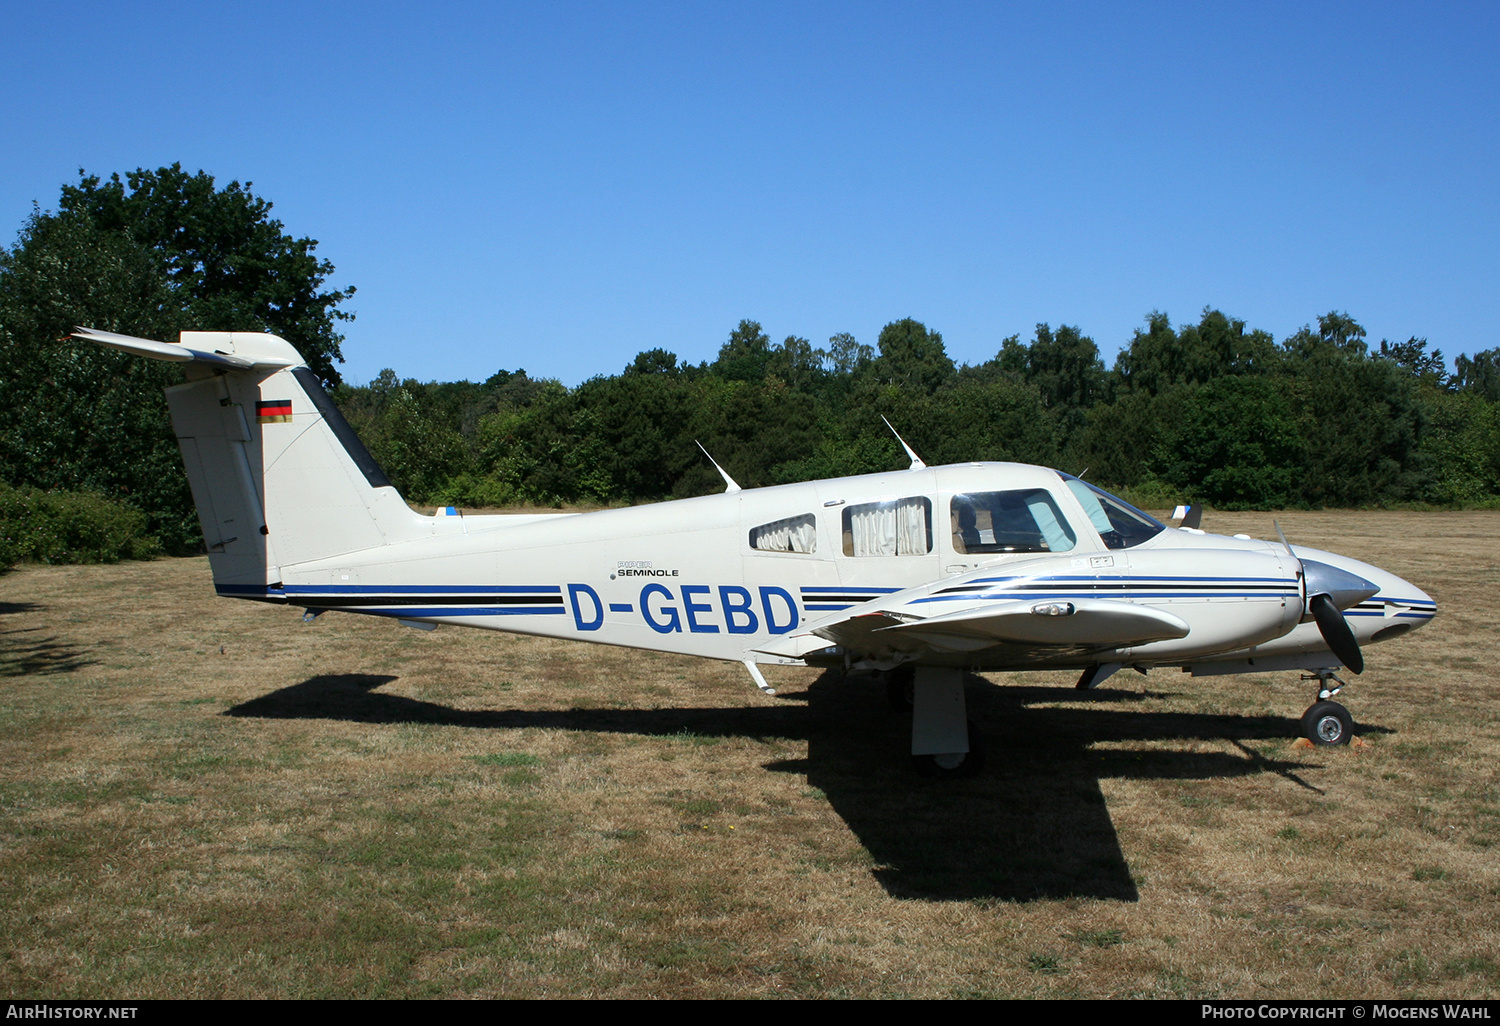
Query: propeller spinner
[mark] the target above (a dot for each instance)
(1327, 592)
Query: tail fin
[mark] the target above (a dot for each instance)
(278, 475)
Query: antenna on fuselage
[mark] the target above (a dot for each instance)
(729, 482)
(916, 461)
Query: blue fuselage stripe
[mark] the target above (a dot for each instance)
(406, 612)
(423, 589)
(1016, 596)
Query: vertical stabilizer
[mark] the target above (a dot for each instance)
(278, 475)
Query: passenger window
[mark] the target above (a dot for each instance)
(1025, 520)
(794, 534)
(900, 527)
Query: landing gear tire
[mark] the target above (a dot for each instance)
(900, 688)
(955, 766)
(1327, 724)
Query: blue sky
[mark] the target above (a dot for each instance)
(560, 186)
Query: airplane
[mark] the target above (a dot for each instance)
(918, 575)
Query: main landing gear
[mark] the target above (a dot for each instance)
(944, 743)
(1327, 723)
(900, 688)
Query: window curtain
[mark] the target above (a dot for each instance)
(796, 534)
(890, 529)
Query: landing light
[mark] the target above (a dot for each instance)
(1052, 609)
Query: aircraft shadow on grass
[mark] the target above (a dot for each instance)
(1033, 825)
(25, 651)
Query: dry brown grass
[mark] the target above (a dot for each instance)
(209, 798)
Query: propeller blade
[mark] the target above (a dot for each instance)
(1336, 632)
(1329, 590)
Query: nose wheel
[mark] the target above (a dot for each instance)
(1327, 723)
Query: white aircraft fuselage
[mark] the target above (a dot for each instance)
(684, 577)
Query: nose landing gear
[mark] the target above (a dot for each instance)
(1327, 723)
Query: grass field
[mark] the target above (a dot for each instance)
(206, 798)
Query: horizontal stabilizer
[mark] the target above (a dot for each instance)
(178, 353)
(1094, 623)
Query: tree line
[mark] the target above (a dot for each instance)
(1211, 411)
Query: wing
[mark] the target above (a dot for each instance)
(1079, 625)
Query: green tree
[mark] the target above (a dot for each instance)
(639, 421)
(653, 361)
(524, 448)
(229, 265)
(414, 440)
(796, 363)
(1479, 374)
(912, 357)
(974, 420)
(1154, 360)
(1065, 367)
(73, 416)
(753, 429)
(1361, 419)
(1120, 442)
(1461, 448)
(1235, 445)
(1337, 333)
(1160, 358)
(1412, 356)
(845, 357)
(746, 354)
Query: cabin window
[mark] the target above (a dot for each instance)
(900, 527)
(1025, 520)
(1120, 525)
(794, 534)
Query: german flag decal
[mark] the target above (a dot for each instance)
(273, 411)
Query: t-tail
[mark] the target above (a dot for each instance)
(278, 475)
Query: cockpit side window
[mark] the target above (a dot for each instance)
(1024, 520)
(899, 527)
(794, 534)
(1120, 525)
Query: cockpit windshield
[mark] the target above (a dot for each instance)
(1119, 524)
